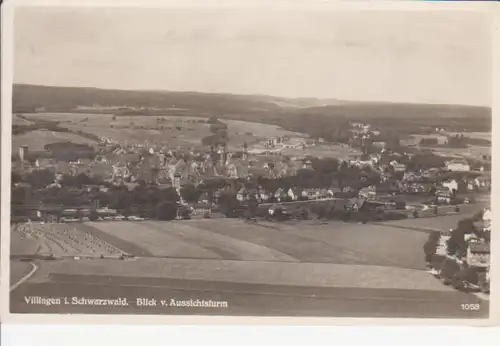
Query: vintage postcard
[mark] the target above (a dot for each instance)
(229, 161)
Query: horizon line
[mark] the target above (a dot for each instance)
(257, 95)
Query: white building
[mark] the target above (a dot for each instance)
(242, 195)
(487, 219)
(451, 185)
(293, 193)
(458, 166)
(368, 192)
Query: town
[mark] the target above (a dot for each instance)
(69, 181)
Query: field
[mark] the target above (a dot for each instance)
(428, 223)
(21, 244)
(326, 268)
(232, 250)
(59, 240)
(473, 151)
(184, 131)
(415, 139)
(443, 136)
(36, 140)
(20, 121)
(334, 151)
(478, 135)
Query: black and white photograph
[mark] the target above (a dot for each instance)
(250, 161)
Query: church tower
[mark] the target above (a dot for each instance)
(245, 151)
(223, 154)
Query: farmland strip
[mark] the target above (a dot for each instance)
(120, 243)
(228, 247)
(153, 243)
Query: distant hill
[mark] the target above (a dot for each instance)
(301, 102)
(246, 107)
(68, 98)
(32, 96)
(398, 110)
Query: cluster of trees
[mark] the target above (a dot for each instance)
(335, 130)
(460, 141)
(457, 141)
(20, 129)
(429, 141)
(68, 151)
(48, 125)
(457, 245)
(425, 161)
(150, 201)
(42, 178)
(356, 177)
(219, 136)
(77, 191)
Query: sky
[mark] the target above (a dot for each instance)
(421, 57)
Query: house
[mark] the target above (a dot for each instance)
(361, 164)
(120, 171)
(232, 170)
(333, 190)
(483, 183)
(379, 144)
(368, 192)
(322, 193)
(458, 166)
(307, 164)
(487, 219)
(304, 194)
(84, 161)
(204, 198)
(375, 158)
(263, 194)
(355, 204)
(399, 167)
(293, 193)
(308, 194)
(280, 194)
(451, 185)
(471, 186)
(242, 195)
(443, 195)
(201, 209)
(54, 185)
(348, 189)
(43, 163)
(431, 173)
(410, 176)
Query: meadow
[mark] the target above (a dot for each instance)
(473, 152)
(36, 140)
(337, 151)
(308, 253)
(235, 257)
(183, 131)
(236, 240)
